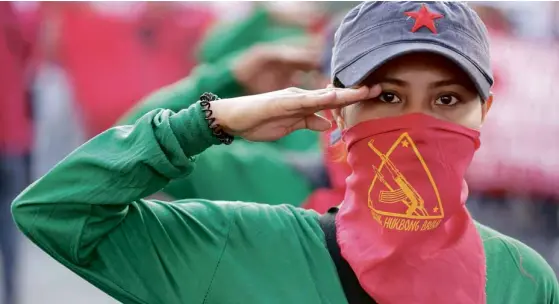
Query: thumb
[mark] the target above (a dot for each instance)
(313, 122)
(316, 122)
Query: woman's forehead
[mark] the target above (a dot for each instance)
(416, 66)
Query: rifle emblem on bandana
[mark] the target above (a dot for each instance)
(394, 200)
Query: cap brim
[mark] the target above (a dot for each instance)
(357, 71)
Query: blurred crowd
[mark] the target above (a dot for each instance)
(70, 70)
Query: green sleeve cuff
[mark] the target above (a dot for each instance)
(192, 130)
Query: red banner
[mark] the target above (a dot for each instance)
(117, 53)
(520, 138)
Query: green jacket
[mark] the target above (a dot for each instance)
(89, 213)
(236, 172)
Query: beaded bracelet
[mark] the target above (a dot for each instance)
(217, 130)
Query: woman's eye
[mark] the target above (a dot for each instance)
(447, 100)
(389, 98)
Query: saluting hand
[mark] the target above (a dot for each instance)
(270, 116)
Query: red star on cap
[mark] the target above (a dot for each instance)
(425, 18)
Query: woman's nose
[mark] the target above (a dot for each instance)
(417, 104)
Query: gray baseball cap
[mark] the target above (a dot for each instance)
(373, 33)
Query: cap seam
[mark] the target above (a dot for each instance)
(417, 40)
(450, 25)
(361, 33)
(461, 30)
(453, 26)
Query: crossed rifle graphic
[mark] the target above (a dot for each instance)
(406, 193)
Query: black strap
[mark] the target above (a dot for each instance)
(354, 293)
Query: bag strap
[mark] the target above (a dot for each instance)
(354, 293)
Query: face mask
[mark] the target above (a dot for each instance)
(403, 226)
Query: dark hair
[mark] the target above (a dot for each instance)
(337, 83)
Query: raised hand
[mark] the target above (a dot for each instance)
(270, 116)
(270, 67)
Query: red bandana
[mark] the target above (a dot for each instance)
(403, 226)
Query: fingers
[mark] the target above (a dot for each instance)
(316, 122)
(332, 98)
(346, 97)
(308, 92)
(374, 91)
(298, 101)
(313, 122)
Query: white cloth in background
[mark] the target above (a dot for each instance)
(57, 129)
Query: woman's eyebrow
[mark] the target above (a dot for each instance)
(436, 84)
(447, 82)
(391, 80)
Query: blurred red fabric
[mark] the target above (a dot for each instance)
(15, 118)
(115, 60)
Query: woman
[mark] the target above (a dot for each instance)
(410, 131)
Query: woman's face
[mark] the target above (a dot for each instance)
(419, 83)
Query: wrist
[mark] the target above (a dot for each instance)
(219, 109)
(215, 116)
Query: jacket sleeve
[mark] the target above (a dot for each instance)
(88, 212)
(243, 171)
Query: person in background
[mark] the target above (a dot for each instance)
(260, 54)
(410, 106)
(15, 136)
(266, 25)
(288, 23)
